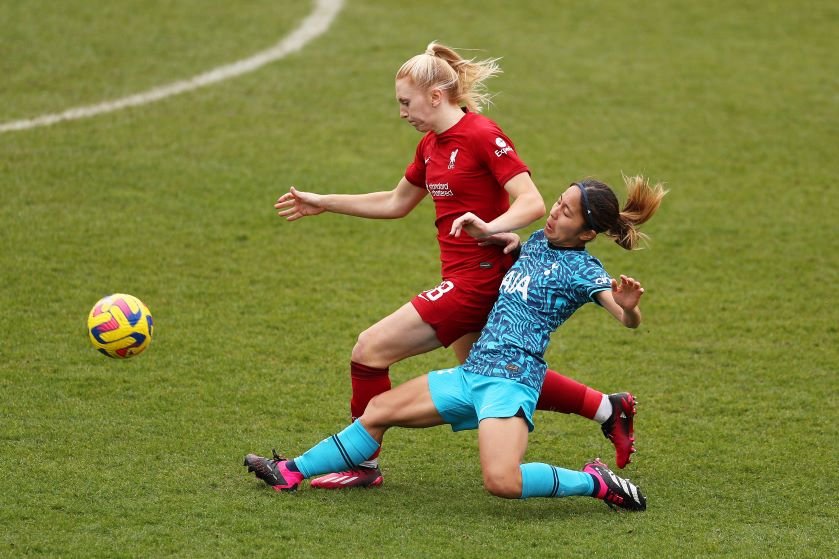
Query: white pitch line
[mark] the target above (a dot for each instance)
(315, 24)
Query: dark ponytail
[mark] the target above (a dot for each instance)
(600, 206)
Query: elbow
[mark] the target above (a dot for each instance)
(532, 204)
(399, 207)
(538, 209)
(541, 208)
(397, 212)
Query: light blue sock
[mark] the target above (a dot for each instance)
(347, 449)
(544, 480)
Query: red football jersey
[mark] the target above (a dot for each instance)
(465, 169)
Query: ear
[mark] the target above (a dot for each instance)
(588, 235)
(436, 96)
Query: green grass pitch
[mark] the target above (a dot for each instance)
(732, 104)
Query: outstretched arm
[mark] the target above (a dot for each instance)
(390, 204)
(622, 301)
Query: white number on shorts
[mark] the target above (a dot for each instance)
(439, 291)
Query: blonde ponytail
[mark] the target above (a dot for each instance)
(462, 79)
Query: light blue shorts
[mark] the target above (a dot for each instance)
(463, 399)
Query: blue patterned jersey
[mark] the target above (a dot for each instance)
(541, 291)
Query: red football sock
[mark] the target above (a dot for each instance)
(367, 382)
(565, 395)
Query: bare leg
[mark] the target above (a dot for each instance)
(399, 335)
(502, 443)
(463, 345)
(407, 405)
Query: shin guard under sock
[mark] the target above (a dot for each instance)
(343, 451)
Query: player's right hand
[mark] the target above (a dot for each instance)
(295, 204)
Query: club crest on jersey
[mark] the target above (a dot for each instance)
(452, 158)
(516, 282)
(503, 146)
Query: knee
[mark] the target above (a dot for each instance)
(375, 410)
(376, 415)
(503, 483)
(364, 349)
(380, 409)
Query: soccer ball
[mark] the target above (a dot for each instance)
(120, 326)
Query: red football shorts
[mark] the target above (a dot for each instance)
(453, 310)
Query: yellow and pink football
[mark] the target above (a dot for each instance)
(120, 326)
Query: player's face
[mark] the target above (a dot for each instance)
(565, 223)
(414, 105)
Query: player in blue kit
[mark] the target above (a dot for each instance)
(496, 389)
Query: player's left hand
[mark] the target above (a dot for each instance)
(627, 293)
(472, 224)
